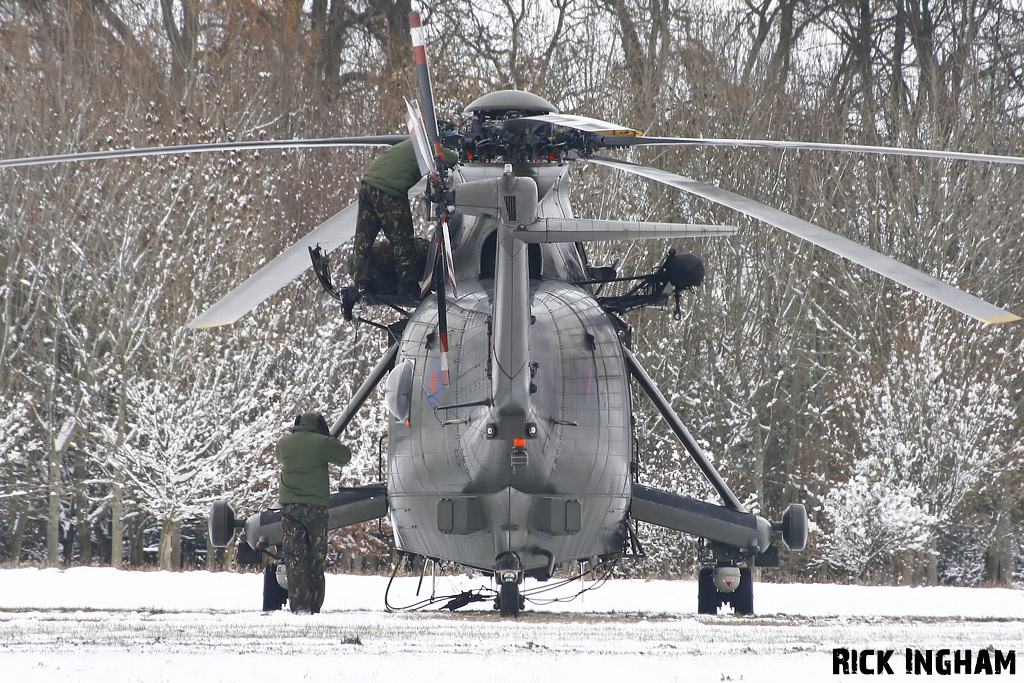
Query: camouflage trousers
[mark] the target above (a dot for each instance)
(305, 554)
(379, 211)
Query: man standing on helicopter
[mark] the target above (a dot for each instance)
(384, 206)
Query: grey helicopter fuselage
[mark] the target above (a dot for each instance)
(533, 466)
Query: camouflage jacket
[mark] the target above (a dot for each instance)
(395, 170)
(304, 454)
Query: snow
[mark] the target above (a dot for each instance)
(101, 625)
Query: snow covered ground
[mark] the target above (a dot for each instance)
(103, 625)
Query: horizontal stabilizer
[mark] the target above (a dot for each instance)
(546, 230)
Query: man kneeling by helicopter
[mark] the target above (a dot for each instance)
(384, 206)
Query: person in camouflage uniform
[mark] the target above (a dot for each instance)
(384, 206)
(305, 493)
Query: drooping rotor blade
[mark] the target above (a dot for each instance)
(245, 145)
(894, 270)
(440, 275)
(635, 140)
(449, 264)
(423, 75)
(547, 230)
(428, 275)
(418, 134)
(437, 181)
(330, 235)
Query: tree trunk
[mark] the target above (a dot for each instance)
(169, 555)
(757, 466)
(999, 555)
(184, 41)
(117, 526)
(17, 536)
(211, 554)
(85, 544)
(782, 60)
(764, 27)
(83, 529)
(932, 557)
(897, 87)
(906, 562)
(865, 43)
(137, 542)
(53, 507)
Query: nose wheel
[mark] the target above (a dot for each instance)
(510, 600)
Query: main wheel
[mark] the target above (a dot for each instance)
(274, 596)
(742, 600)
(222, 523)
(509, 600)
(245, 556)
(794, 527)
(708, 598)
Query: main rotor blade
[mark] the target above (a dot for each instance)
(548, 230)
(585, 124)
(418, 135)
(428, 122)
(634, 140)
(449, 264)
(423, 74)
(894, 270)
(330, 235)
(250, 145)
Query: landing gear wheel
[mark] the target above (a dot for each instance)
(245, 556)
(742, 600)
(708, 598)
(222, 523)
(794, 527)
(274, 597)
(510, 602)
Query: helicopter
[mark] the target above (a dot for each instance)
(508, 384)
(509, 381)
